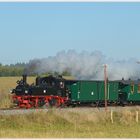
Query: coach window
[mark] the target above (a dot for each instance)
(132, 87)
(139, 88)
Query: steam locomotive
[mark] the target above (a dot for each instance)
(57, 91)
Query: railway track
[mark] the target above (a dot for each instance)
(15, 111)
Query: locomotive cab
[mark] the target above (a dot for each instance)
(53, 85)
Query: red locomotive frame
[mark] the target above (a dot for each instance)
(33, 101)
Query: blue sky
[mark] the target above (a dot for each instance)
(38, 30)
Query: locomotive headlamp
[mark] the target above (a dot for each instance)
(11, 90)
(26, 91)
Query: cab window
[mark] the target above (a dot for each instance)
(132, 87)
(139, 88)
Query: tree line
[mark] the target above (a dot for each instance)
(19, 69)
(12, 69)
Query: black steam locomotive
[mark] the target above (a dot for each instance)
(46, 91)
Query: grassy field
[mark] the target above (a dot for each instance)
(66, 122)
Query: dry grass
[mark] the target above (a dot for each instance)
(69, 123)
(6, 84)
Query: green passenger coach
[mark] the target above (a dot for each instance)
(131, 91)
(83, 91)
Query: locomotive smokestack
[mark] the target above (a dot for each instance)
(24, 78)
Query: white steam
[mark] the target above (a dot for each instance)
(86, 65)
